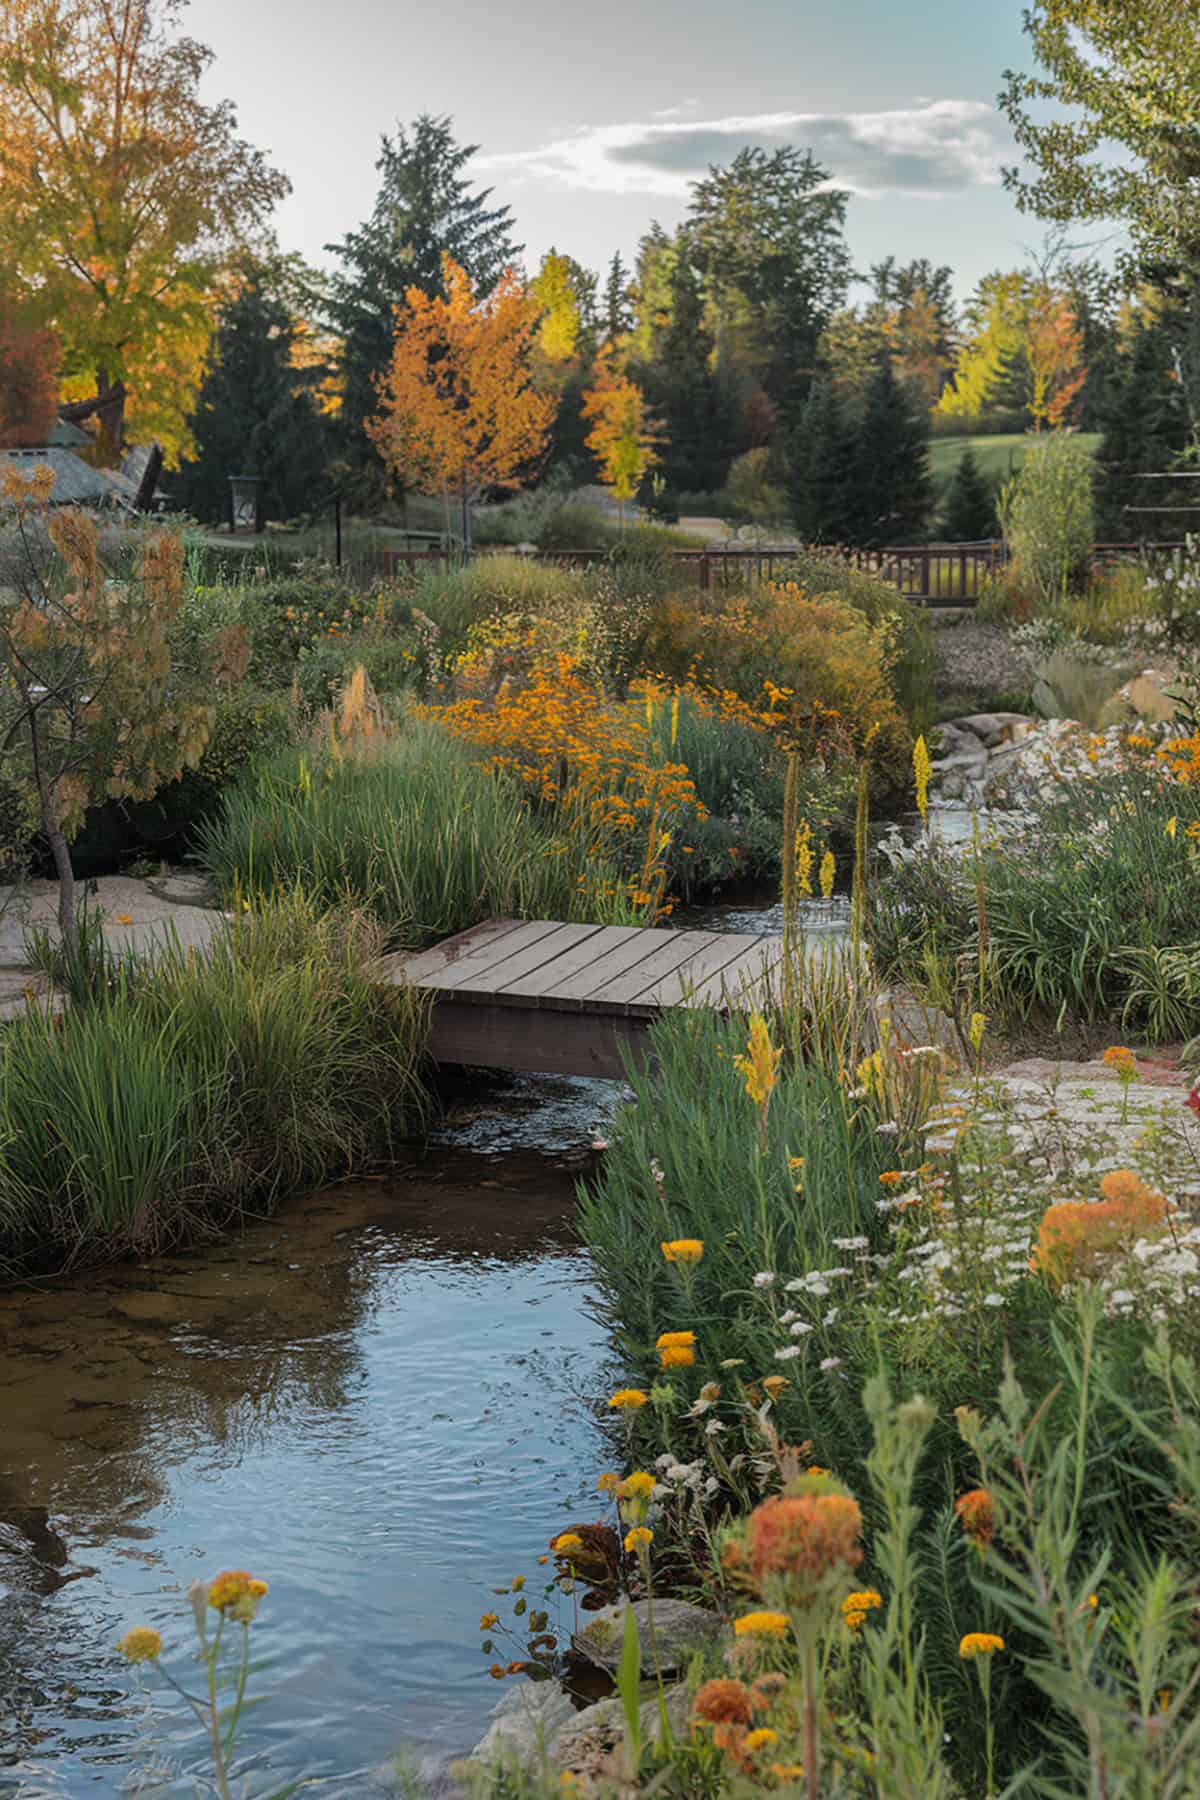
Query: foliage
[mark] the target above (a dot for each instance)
(93, 702)
(1145, 433)
(459, 409)
(28, 378)
(1046, 515)
(200, 1087)
(425, 210)
(1131, 79)
(123, 270)
(621, 439)
(409, 827)
(256, 413)
(860, 470)
(970, 504)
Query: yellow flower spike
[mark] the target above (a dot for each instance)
(977, 1029)
(759, 1066)
(762, 1624)
(979, 1643)
(804, 861)
(640, 1538)
(1170, 827)
(828, 874)
(140, 1644)
(922, 770)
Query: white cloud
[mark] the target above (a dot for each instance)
(930, 149)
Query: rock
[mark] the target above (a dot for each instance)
(992, 729)
(182, 887)
(526, 1722)
(595, 1732)
(680, 1630)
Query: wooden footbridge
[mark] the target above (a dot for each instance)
(577, 999)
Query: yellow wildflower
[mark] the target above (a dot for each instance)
(760, 1064)
(761, 1738)
(828, 874)
(787, 1771)
(977, 1028)
(518, 1582)
(774, 1385)
(676, 1356)
(236, 1594)
(640, 1538)
(141, 1644)
(608, 1484)
(980, 1643)
(683, 1250)
(488, 1620)
(628, 1399)
(638, 1486)
(567, 1541)
(1122, 1059)
(922, 770)
(1170, 827)
(674, 1340)
(804, 861)
(762, 1624)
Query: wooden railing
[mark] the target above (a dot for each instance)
(927, 574)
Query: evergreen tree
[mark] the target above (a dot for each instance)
(617, 311)
(891, 488)
(425, 209)
(1145, 430)
(695, 455)
(256, 414)
(970, 504)
(822, 465)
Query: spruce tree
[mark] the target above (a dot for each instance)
(892, 491)
(1145, 430)
(970, 504)
(617, 309)
(821, 468)
(425, 209)
(696, 453)
(255, 414)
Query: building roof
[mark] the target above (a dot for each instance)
(76, 483)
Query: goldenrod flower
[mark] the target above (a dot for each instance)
(140, 1644)
(762, 1624)
(980, 1643)
(761, 1738)
(640, 1538)
(488, 1620)
(976, 1031)
(569, 1540)
(628, 1399)
(804, 861)
(828, 874)
(922, 770)
(684, 1250)
(760, 1063)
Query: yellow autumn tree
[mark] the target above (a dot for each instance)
(622, 437)
(122, 193)
(458, 409)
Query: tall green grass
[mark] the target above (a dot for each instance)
(430, 840)
(202, 1086)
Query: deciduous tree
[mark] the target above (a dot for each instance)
(122, 192)
(93, 703)
(622, 437)
(458, 408)
(1054, 349)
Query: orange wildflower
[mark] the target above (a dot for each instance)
(977, 1515)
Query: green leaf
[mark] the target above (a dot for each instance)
(629, 1672)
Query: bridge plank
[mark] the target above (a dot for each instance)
(673, 990)
(744, 982)
(479, 971)
(631, 989)
(637, 945)
(539, 985)
(493, 983)
(424, 966)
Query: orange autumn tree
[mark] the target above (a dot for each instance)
(28, 378)
(1054, 347)
(459, 412)
(622, 437)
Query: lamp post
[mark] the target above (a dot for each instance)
(245, 503)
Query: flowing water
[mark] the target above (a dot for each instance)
(377, 1400)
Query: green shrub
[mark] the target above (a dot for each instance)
(1046, 514)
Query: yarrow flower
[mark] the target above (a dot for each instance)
(683, 1250)
(628, 1399)
(140, 1644)
(980, 1643)
(762, 1624)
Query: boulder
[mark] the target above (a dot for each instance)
(680, 1630)
(992, 729)
(595, 1732)
(526, 1722)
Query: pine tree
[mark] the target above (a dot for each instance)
(970, 504)
(821, 472)
(617, 312)
(1145, 430)
(891, 488)
(682, 387)
(425, 209)
(255, 414)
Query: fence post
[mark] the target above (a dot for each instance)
(704, 568)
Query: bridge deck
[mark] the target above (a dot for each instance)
(574, 999)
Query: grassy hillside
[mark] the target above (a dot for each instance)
(998, 457)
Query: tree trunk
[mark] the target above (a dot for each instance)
(61, 852)
(466, 523)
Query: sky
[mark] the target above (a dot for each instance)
(592, 120)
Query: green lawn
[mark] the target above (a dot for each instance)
(997, 456)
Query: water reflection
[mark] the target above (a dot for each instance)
(371, 1400)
